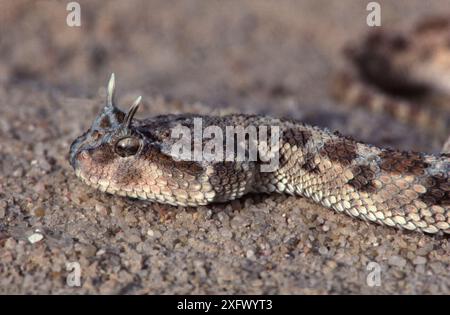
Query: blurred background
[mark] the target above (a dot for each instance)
(272, 57)
(217, 52)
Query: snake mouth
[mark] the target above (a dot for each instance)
(86, 180)
(99, 184)
(107, 186)
(73, 154)
(75, 149)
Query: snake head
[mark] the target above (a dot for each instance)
(110, 144)
(125, 156)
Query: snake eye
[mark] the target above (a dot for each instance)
(128, 146)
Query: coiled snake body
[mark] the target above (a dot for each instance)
(129, 157)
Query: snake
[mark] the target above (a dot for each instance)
(402, 74)
(146, 159)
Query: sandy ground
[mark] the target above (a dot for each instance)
(273, 57)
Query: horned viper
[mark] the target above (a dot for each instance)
(122, 155)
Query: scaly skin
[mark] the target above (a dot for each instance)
(401, 189)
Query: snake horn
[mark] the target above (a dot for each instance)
(110, 91)
(110, 115)
(131, 112)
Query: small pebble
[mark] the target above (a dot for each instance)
(101, 209)
(18, 172)
(419, 260)
(226, 233)
(323, 250)
(39, 212)
(3, 205)
(35, 237)
(397, 261)
(331, 264)
(86, 250)
(44, 165)
(10, 243)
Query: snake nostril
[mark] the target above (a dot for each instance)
(75, 158)
(83, 155)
